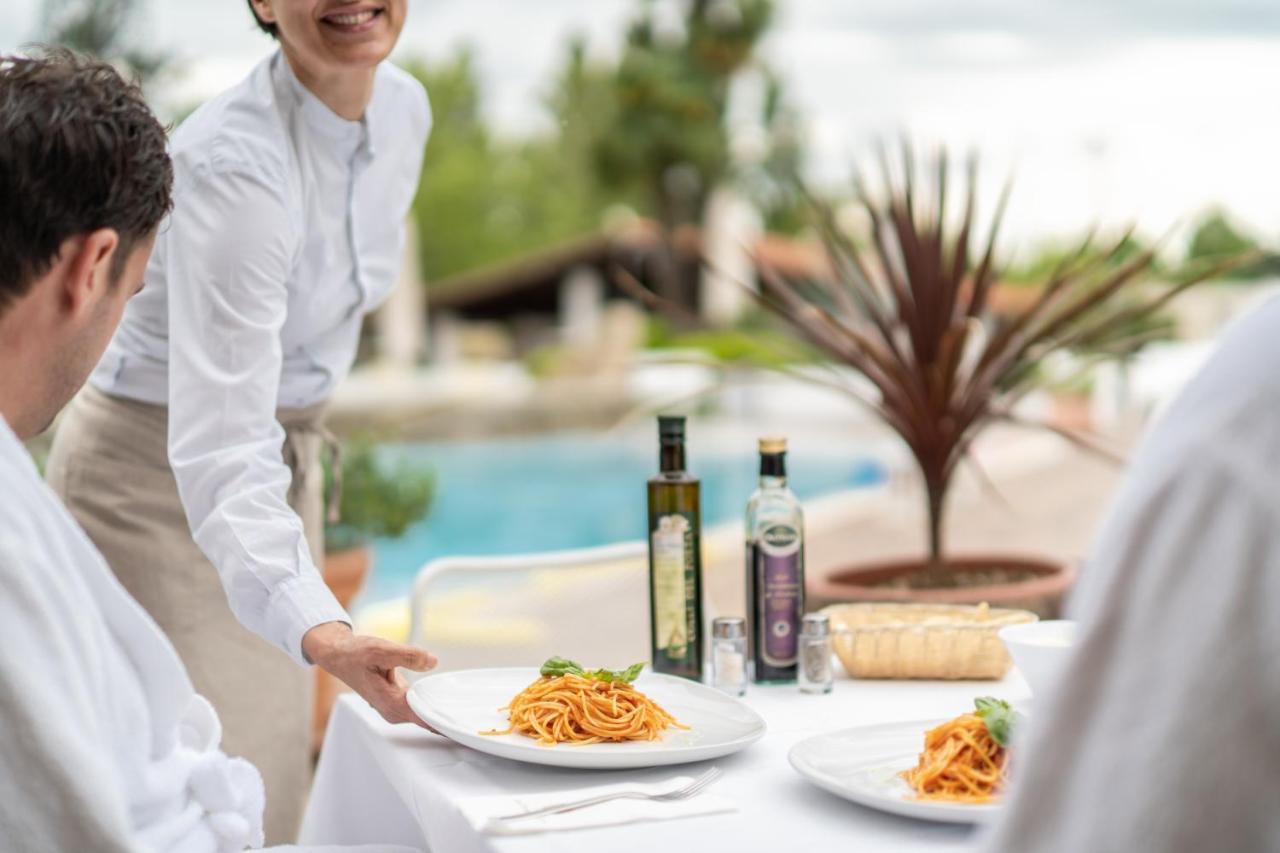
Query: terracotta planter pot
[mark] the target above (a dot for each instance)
(1073, 411)
(344, 573)
(1037, 584)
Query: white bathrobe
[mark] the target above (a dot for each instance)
(104, 745)
(1164, 733)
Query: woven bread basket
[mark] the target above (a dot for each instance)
(934, 641)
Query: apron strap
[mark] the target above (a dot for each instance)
(299, 432)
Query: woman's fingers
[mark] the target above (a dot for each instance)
(390, 655)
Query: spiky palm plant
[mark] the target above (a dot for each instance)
(907, 308)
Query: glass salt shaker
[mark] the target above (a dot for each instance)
(815, 675)
(729, 655)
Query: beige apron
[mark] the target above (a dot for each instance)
(109, 464)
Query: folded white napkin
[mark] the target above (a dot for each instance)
(481, 811)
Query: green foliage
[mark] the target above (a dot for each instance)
(484, 200)
(1215, 237)
(647, 134)
(557, 666)
(1050, 256)
(753, 342)
(668, 139)
(376, 502)
(100, 28)
(771, 184)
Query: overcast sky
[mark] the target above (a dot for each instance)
(1150, 110)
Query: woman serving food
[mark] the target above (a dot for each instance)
(193, 459)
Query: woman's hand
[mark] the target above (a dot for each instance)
(368, 666)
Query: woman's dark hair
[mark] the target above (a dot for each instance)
(268, 28)
(81, 151)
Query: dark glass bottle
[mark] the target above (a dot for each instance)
(675, 559)
(775, 570)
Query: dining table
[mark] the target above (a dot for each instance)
(401, 784)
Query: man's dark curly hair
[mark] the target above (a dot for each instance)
(266, 27)
(79, 151)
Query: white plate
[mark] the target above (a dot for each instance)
(862, 765)
(462, 704)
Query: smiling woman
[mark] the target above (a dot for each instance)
(330, 42)
(288, 227)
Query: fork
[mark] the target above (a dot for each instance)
(691, 790)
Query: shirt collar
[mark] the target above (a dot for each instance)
(317, 115)
(9, 441)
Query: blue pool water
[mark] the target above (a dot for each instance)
(551, 493)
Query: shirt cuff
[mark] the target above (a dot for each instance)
(298, 606)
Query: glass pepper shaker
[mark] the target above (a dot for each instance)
(816, 674)
(729, 655)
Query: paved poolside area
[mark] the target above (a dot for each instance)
(1054, 497)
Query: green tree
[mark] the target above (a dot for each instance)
(647, 132)
(1050, 256)
(102, 28)
(484, 200)
(1216, 237)
(667, 139)
(772, 183)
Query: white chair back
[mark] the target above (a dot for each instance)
(589, 605)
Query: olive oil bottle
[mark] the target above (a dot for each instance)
(775, 570)
(675, 559)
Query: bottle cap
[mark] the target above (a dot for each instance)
(815, 625)
(773, 445)
(729, 627)
(671, 426)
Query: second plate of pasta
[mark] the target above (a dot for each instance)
(866, 765)
(676, 720)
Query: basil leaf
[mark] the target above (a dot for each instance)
(625, 676)
(556, 667)
(998, 716)
(632, 672)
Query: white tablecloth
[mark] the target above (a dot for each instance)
(398, 784)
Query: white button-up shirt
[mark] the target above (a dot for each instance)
(105, 744)
(288, 227)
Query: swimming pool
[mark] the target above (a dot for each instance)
(574, 491)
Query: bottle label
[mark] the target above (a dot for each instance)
(673, 570)
(781, 579)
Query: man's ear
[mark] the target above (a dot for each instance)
(89, 261)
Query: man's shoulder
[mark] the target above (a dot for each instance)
(31, 520)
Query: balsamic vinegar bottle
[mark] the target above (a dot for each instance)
(775, 570)
(675, 559)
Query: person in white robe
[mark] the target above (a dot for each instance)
(1163, 733)
(104, 744)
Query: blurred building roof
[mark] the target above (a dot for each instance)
(529, 283)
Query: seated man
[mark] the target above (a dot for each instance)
(1164, 733)
(103, 743)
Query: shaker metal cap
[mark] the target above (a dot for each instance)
(816, 625)
(729, 627)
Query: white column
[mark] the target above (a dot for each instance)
(401, 321)
(446, 344)
(729, 236)
(581, 306)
